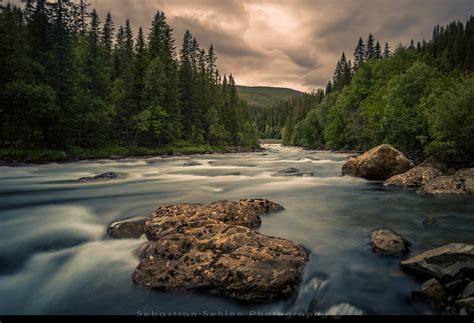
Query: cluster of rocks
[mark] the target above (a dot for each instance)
(448, 271)
(99, 178)
(390, 165)
(215, 249)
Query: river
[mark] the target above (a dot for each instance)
(55, 259)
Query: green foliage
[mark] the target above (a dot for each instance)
(418, 99)
(452, 123)
(67, 81)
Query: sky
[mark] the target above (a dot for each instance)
(289, 43)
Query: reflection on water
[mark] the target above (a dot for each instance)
(54, 258)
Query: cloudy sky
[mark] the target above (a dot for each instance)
(289, 43)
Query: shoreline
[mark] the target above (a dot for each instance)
(168, 152)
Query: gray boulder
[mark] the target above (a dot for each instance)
(388, 242)
(132, 228)
(447, 263)
(414, 178)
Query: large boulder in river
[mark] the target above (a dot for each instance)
(414, 178)
(245, 213)
(388, 242)
(379, 163)
(213, 248)
(462, 183)
(447, 263)
(223, 259)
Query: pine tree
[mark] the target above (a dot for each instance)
(162, 46)
(108, 33)
(187, 84)
(386, 52)
(370, 49)
(359, 54)
(378, 51)
(342, 74)
(211, 65)
(140, 64)
(328, 88)
(230, 112)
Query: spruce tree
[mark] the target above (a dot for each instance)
(162, 45)
(108, 33)
(370, 49)
(378, 51)
(359, 54)
(187, 84)
(386, 52)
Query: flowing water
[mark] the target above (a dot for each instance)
(54, 258)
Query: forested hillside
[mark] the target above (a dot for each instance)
(264, 96)
(71, 80)
(418, 97)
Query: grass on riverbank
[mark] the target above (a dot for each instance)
(74, 154)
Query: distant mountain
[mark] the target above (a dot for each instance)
(263, 96)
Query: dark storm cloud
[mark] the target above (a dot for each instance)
(294, 43)
(228, 43)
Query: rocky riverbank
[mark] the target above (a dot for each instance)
(391, 166)
(447, 271)
(15, 158)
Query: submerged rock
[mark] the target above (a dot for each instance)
(295, 172)
(290, 170)
(429, 220)
(213, 248)
(414, 178)
(98, 178)
(132, 228)
(431, 291)
(388, 242)
(191, 163)
(379, 163)
(447, 263)
(308, 174)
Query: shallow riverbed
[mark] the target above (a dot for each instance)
(54, 258)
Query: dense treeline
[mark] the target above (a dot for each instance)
(420, 98)
(68, 80)
(271, 120)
